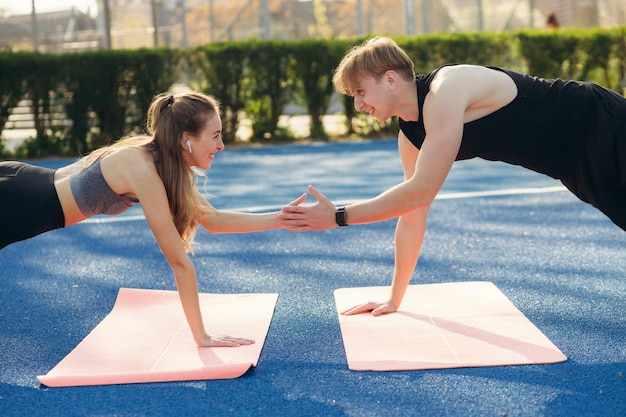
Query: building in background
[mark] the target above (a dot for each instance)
(57, 32)
(181, 23)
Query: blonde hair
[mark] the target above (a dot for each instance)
(169, 116)
(373, 57)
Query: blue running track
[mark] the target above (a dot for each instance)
(561, 262)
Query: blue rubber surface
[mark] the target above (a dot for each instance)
(561, 262)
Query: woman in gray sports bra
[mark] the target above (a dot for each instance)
(155, 170)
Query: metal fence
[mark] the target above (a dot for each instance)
(181, 23)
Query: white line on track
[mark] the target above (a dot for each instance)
(445, 196)
(510, 191)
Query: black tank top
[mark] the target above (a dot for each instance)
(545, 128)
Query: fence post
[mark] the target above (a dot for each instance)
(33, 15)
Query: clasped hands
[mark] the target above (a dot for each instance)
(316, 217)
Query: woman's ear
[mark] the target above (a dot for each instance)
(186, 142)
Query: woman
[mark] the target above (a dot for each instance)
(570, 130)
(156, 170)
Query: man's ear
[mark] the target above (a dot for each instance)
(391, 78)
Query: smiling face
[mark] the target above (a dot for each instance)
(203, 146)
(375, 97)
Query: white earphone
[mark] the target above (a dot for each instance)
(188, 146)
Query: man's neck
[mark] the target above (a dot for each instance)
(407, 108)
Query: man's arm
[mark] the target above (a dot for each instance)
(409, 236)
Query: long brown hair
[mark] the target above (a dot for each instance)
(169, 116)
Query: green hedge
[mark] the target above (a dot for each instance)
(84, 100)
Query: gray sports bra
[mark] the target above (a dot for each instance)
(94, 196)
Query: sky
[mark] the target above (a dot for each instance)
(14, 7)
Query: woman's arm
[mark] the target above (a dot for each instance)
(219, 221)
(133, 172)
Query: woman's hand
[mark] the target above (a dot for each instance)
(224, 341)
(298, 200)
(377, 309)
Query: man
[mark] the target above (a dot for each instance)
(570, 130)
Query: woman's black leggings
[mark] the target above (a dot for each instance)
(29, 204)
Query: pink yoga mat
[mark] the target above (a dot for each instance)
(145, 338)
(450, 325)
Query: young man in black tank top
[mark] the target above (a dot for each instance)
(569, 130)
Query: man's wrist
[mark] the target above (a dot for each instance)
(341, 217)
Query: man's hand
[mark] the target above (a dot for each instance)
(377, 309)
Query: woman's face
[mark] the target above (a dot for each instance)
(205, 145)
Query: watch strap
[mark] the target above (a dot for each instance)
(341, 216)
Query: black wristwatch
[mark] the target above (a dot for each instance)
(341, 216)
